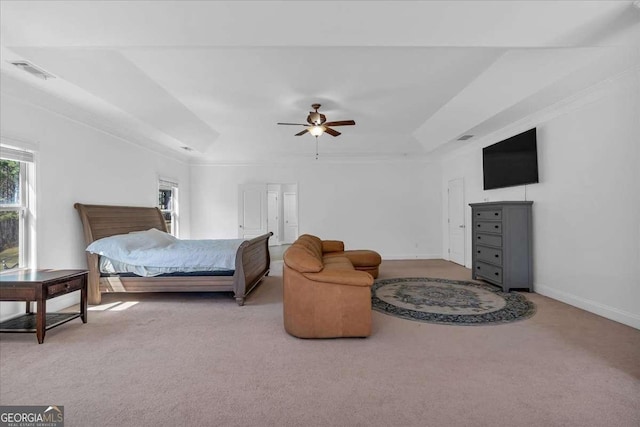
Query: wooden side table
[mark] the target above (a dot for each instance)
(39, 286)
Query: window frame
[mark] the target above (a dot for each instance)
(26, 205)
(172, 185)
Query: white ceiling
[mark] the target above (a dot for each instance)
(218, 76)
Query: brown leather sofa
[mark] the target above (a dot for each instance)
(325, 294)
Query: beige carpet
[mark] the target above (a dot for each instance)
(192, 360)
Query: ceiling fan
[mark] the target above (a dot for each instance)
(317, 124)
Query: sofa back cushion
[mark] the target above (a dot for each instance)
(302, 259)
(312, 243)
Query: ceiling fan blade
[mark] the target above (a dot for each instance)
(341, 123)
(331, 132)
(293, 124)
(302, 133)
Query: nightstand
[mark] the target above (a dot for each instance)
(39, 286)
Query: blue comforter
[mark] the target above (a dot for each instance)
(154, 248)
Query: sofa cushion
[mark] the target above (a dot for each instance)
(341, 277)
(338, 263)
(359, 258)
(302, 259)
(313, 243)
(332, 246)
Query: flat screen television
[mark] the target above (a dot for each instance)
(511, 162)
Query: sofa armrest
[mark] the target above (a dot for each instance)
(332, 246)
(341, 277)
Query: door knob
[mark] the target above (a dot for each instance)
(240, 225)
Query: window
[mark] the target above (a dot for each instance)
(168, 204)
(16, 202)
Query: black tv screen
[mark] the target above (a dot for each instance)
(513, 161)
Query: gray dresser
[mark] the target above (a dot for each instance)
(502, 244)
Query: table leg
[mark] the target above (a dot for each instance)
(28, 307)
(83, 300)
(41, 320)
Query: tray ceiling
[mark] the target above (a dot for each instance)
(217, 76)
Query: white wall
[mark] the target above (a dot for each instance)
(393, 208)
(586, 211)
(77, 163)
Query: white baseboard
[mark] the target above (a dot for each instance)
(621, 316)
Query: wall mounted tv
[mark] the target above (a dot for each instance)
(511, 162)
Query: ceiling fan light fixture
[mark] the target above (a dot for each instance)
(316, 130)
(315, 118)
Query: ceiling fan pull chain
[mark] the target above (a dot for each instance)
(316, 148)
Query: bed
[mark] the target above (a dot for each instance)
(98, 221)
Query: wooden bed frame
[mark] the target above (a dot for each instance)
(98, 221)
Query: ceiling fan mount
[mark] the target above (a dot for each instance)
(317, 124)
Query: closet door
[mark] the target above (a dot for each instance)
(456, 221)
(290, 202)
(273, 217)
(252, 210)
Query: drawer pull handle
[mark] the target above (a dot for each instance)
(495, 226)
(497, 274)
(495, 213)
(479, 238)
(479, 226)
(479, 252)
(478, 267)
(497, 256)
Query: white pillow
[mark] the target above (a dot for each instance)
(120, 246)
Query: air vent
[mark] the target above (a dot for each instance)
(33, 70)
(465, 137)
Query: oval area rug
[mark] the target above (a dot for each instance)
(451, 302)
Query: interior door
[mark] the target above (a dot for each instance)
(252, 210)
(273, 217)
(290, 201)
(456, 221)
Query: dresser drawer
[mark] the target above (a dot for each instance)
(488, 214)
(491, 255)
(489, 272)
(487, 239)
(488, 226)
(64, 287)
